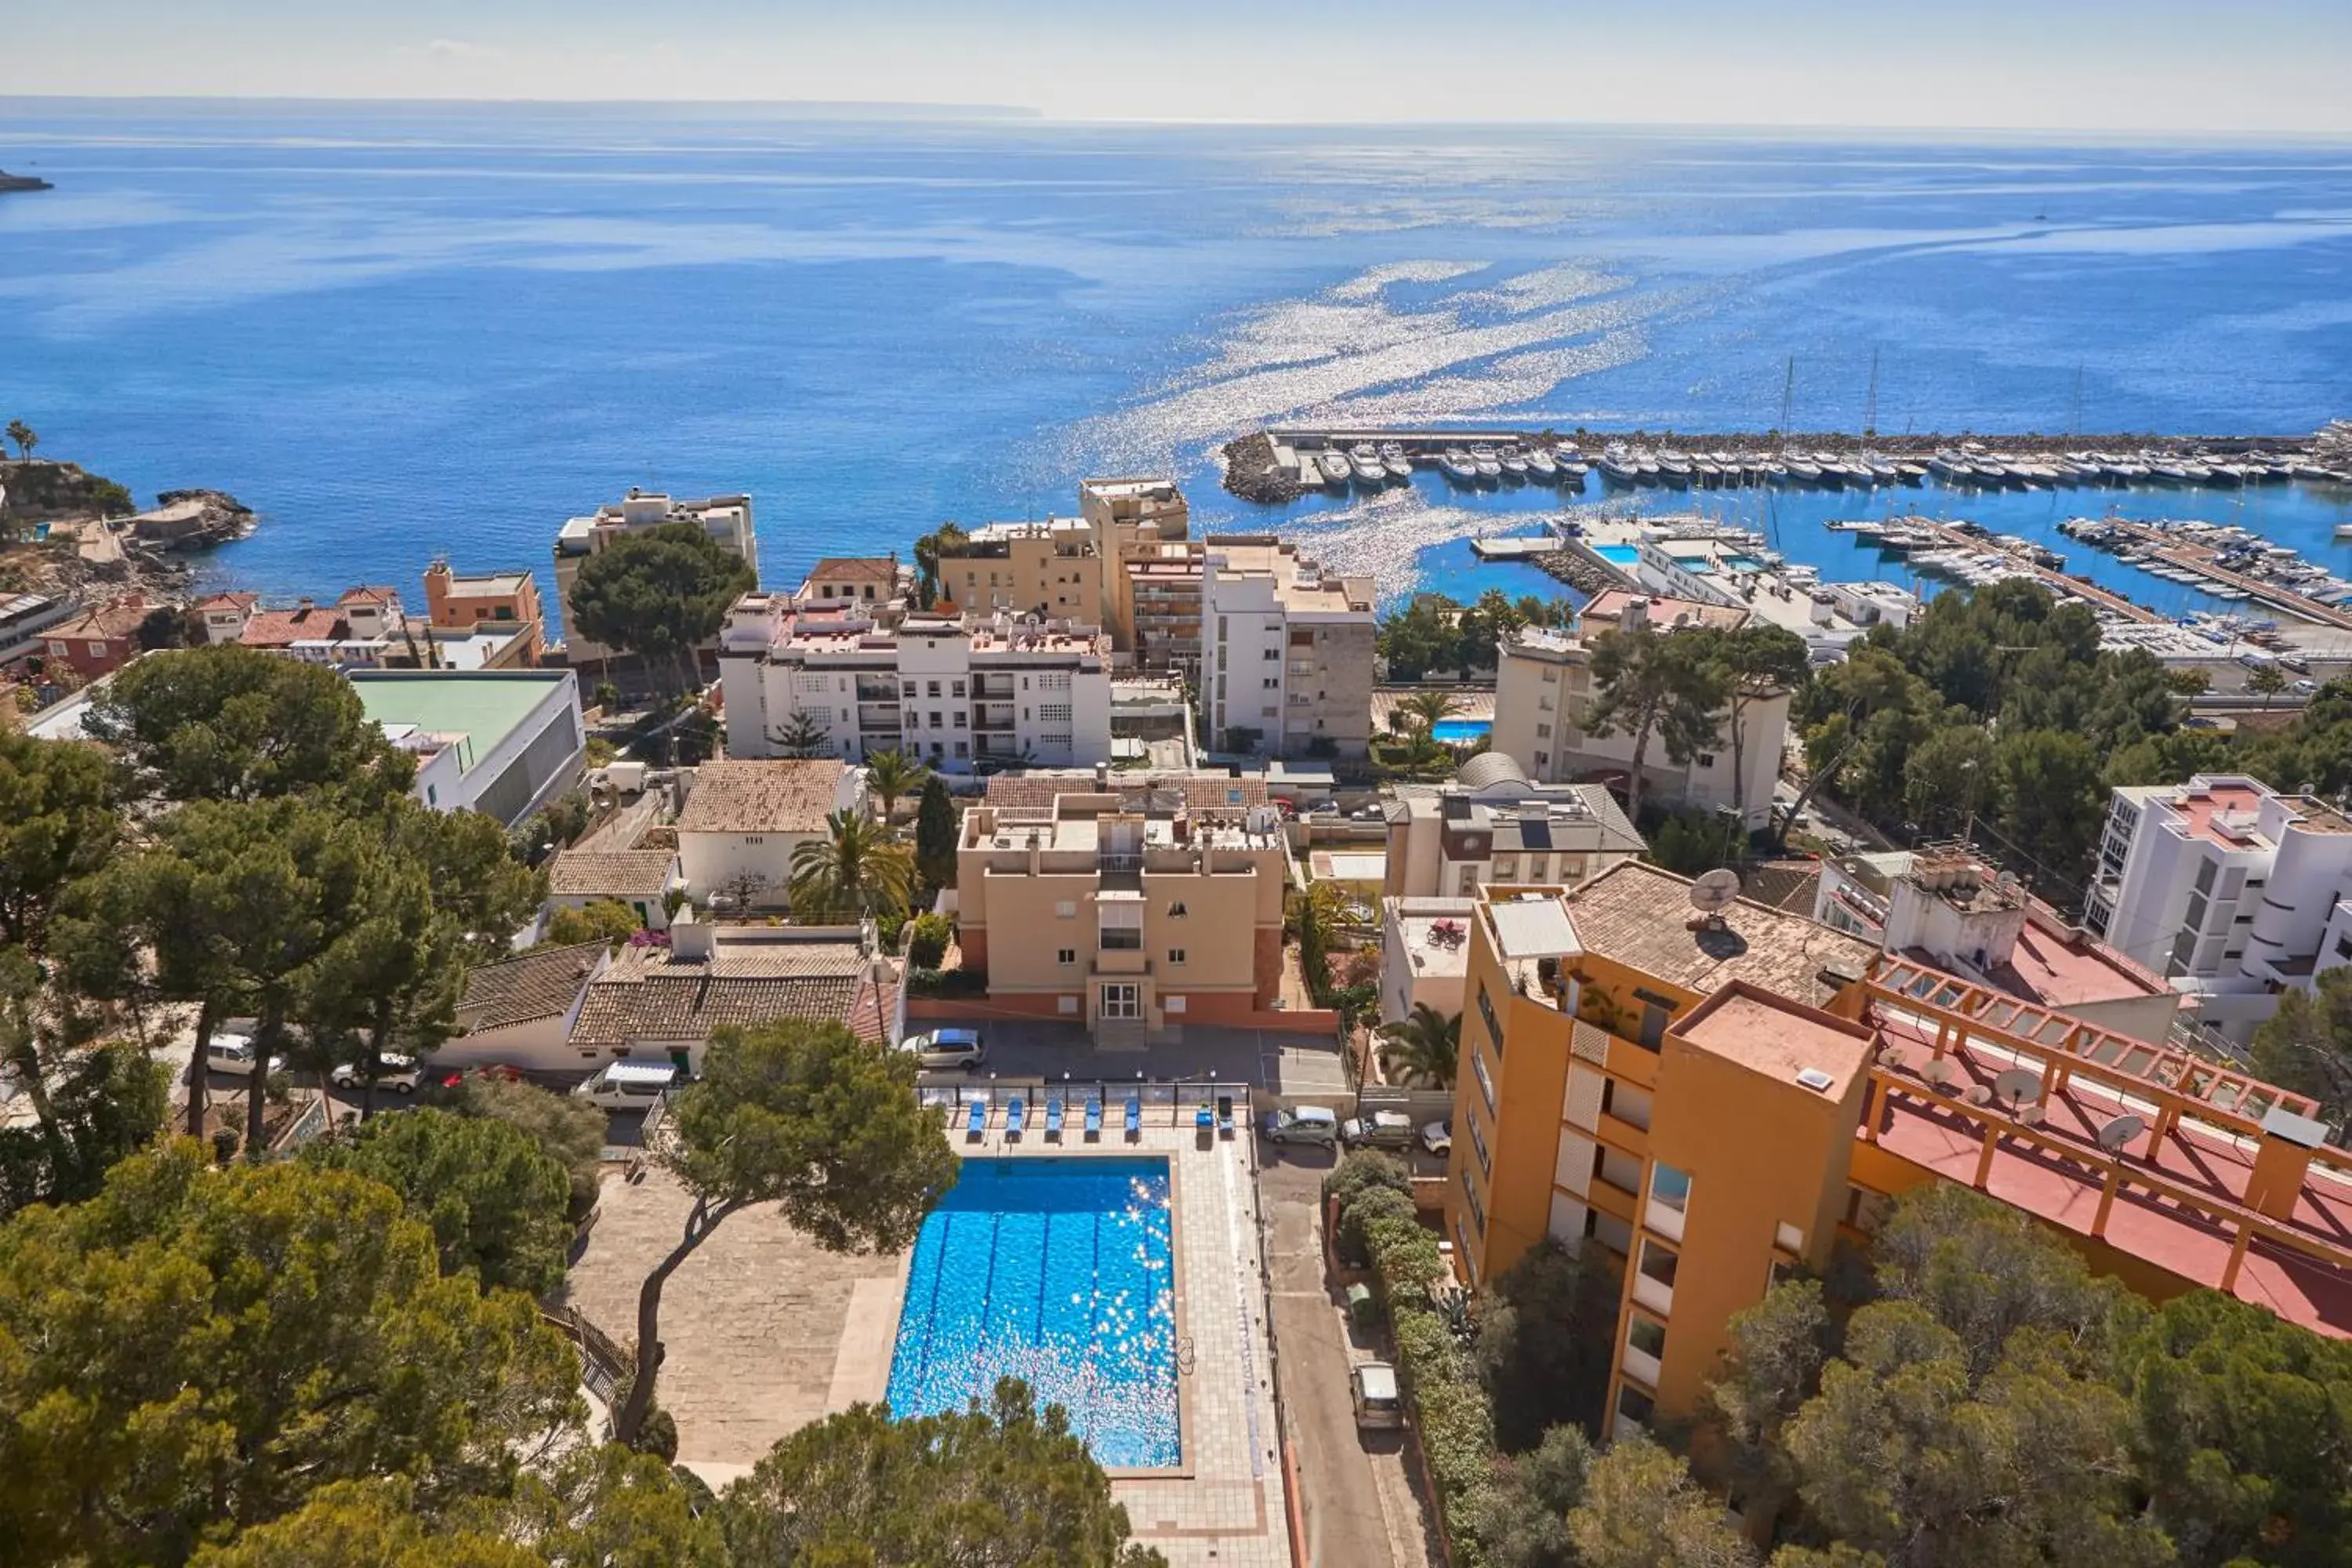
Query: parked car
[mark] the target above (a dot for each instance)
(628, 1086)
(456, 1077)
(1379, 1403)
(948, 1048)
(2304, 688)
(1438, 1138)
(235, 1054)
(1382, 1129)
(1302, 1124)
(395, 1072)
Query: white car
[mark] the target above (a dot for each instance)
(948, 1048)
(395, 1072)
(235, 1054)
(1438, 1138)
(627, 1086)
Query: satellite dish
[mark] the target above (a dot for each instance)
(1713, 893)
(2016, 1085)
(2120, 1131)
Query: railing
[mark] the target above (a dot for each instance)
(1162, 1104)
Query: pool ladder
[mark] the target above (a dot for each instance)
(1184, 1357)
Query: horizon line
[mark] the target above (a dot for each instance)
(916, 110)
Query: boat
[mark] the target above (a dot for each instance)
(1617, 465)
(2197, 473)
(1801, 470)
(1572, 471)
(1911, 473)
(1705, 472)
(1646, 464)
(1514, 462)
(1673, 467)
(1490, 467)
(1458, 466)
(1394, 459)
(1336, 468)
(1369, 470)
(1540, 468)
(2164, 471)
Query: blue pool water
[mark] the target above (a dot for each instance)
(1058, 1272)
(1461, 732)
(1624, 555)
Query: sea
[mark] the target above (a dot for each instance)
(399, 331)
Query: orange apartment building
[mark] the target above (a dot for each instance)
(1717, 1099)
(501, 601)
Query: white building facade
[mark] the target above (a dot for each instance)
(953, 692)
(1286, 651)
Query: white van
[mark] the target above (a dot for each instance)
(627, 1086)
(948, 1048)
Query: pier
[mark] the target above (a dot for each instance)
(2170, 548)
(2057, 582)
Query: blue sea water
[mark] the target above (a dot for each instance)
(398, 332)
(1060, 1272)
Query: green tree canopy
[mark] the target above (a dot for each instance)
(496, 1201)
(935, 833)
(1642, 1509)
(58, 822)
(806, 1115)
(892, 776)
(1545, 1343)
(230, 722)
(1004, 1483)
(568, 1131)
(607, 920)
(1655, 685)
(659, 593)
(2306, 1045)
(1424, 1047)
(197, 1349)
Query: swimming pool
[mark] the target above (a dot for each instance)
(1622, 555)
(1461, 732)
(1059, 1271)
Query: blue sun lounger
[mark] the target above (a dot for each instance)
(1054, 1117)
(1094, 1119)
(1203, 1117)
(1012, 1111)
(976, 1124)
(1134, 1115)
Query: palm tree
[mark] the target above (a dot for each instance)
(1422, 1048)
(2266, 682)
(1426, 710)
(890, 774)
(945, 539)
(854, 871)
(22, 433)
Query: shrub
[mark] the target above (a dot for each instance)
(937, 983)
(1360, 1171)
(927, 939)
(1375, 1204)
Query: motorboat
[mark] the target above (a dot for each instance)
(1801, 470)
(1673, 467)
(1572, 471)
(1647, 463)
(2164, 471)
(1951, 468)
(1336, 468)
(1458, 466)
(1394, 459)
(1540, 468)
(1911, 473)
(1617, 465)
(1513, 462)
(1369, 470)
(1490, 467)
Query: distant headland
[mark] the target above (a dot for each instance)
(9, 181)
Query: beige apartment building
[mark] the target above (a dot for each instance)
(1135, 912)
(1286, 651)
(1050, 569)
(1160, 596)
(1131, 520)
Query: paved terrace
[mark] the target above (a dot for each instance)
(2179, 1190)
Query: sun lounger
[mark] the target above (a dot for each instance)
(1054, 1117)
(1094, 1118)
(1134, 1115)
(1201, 1116)
(1013, 1110)
(977, 1123)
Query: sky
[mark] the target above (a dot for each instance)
(2277, 67)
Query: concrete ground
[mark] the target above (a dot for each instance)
(1286, 1063)
(1362, 1504)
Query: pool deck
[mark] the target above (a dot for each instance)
(1470, 703)
(765, 1332)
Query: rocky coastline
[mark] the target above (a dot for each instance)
(9, 181)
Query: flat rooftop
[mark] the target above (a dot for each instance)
(2057, 969)
(1777, 1039)
(2205, 812)
(1603, 612)
(483, 706)
(1636, 915)
(1434, 933)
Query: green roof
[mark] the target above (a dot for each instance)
(484, 706)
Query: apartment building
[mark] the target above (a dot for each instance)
(497, 601)
(1948, 905)
(955, 691)
(503, 742)
(726, 519)
(2228, 888)
(1286, 651)
(1160, 593)
(876, 585)
(1051, 570)
(1134, 909)
(1424, 954)
(1134, 519)
(1719, 1092)
(1491, 824)
(1543, 689)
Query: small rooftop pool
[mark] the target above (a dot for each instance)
(1462, 731)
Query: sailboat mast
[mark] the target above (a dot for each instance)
(1870, 404)
(1788, 394)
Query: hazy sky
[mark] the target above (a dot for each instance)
(2161, 64)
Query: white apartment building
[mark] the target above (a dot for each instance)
(1286, 651)
(727, 518)
(1543, 687)
(2228, 888)
(953, 692)
(1491, 824)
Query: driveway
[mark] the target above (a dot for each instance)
(1355, 1488)
(1282, 1061)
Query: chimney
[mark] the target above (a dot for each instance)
(1634, 615)
(691, 941)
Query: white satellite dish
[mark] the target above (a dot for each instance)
(2016, 1086)
(2120, 1131)
(1714, 892)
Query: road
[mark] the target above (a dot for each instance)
(1361, 1507)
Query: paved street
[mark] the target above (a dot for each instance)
(1360, 1503)
(1293, 1064)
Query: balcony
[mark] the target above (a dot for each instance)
(993, 688)
(878, 716)
(1120, 961)
(1641, 1367)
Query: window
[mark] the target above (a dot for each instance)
(1122, 1002)
(755, 838)
(1669, 1200)
(1054, 713)
(1116, 938)
(1485, 1084)
(1788, 1238)
(963, 749)
(1653, 1026)
(1067, 910)
(1470, 1201)
(935, 748)
(1866, 1210)
(1654, 1286)
(1176, 911)
(1707, 759)
(1120, 927)
(1066, 955)
(1551, 677)
(931, 689)
(1478, 1142)
(1543, 732)
(1271, 654)
(1273, 683)
(955, 689)
(1648, 1336)
(1175, 956)
(910, 689)
(1507, 867)
(1486, 1011)
(96, 649)
(1543, 759)
(1635, 1410)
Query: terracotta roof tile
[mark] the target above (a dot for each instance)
(761, 797)
(119, 618)
(648, 996)
(283, 628)
(874, 568)
(611, 873)
(536, 985)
